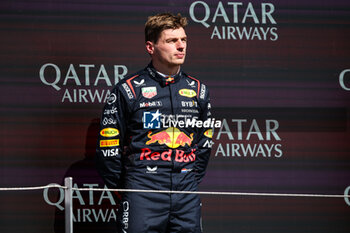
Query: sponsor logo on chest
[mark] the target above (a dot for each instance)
(187, 93)
(149, 92)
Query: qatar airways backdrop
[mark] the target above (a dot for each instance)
(279, 78)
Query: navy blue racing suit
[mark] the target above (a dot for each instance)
(156, 135)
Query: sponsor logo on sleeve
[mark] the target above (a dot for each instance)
(109, 143)
(149, 92)
(202, 92)
(109, 132)
(209, 112)
(111, 98)
(208, 144)
(187, 93)
(113, 110)
(109, 121)
(128, 91)
(208, 133)
(110, 152)
(125, 216)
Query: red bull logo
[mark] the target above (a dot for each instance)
(172, 137)
(180, 156)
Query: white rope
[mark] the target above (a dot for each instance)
(217, 193)
(181, 192)
(33, 188)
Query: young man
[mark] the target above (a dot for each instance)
(148, 139)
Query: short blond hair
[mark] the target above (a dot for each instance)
(157, 23)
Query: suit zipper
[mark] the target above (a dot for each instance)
(173, 156)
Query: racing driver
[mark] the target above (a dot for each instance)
(145, 142)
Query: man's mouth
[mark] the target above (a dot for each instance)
(180, 55)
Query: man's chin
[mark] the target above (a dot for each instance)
(179, 62)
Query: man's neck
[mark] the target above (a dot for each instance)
(168, 71)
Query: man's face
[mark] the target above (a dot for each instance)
(170, 49)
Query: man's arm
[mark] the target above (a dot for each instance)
(204, 142)
(112, 139)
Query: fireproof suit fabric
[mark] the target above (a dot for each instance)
(153, 137)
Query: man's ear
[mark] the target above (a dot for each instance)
(150, 47)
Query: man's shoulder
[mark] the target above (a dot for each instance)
(190, 77)
(134, 77)
(193, 82)
(131, 83)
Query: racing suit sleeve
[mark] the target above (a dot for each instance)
(204, 140)
(111, 139)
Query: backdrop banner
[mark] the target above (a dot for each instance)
(279, 79)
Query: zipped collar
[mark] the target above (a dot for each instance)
(163, 81)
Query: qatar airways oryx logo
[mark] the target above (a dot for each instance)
(236, 20)
(79, 83)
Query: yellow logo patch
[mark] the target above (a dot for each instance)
(187, 93)
(109, 143)
(208, 133)
(109, 132)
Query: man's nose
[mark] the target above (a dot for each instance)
(181, 45)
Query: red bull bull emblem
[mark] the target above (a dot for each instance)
(172, 137)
